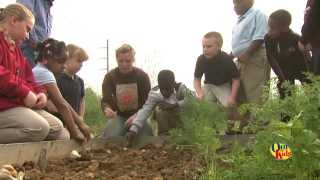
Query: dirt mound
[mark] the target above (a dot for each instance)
(114, 162)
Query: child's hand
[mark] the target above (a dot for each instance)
(231, 101)
(109, 113)
(167, 106)
(30, 100)
(130, 120)
(77, 135)
(130, 136)
(243, 58)
(42, 101)
(51, 107)
(304, 47)
(200, 96)
(85, 129)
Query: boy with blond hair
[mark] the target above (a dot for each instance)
(70, 84)
(222, 79)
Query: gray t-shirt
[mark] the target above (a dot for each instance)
(43, 75)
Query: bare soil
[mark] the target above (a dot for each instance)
(119, 163)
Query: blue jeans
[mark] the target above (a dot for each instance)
(116, 127)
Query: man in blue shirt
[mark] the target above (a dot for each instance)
(248, 48)
(42, 27)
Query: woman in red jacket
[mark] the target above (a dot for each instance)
(21, 99)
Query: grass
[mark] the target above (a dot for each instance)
(93, 116)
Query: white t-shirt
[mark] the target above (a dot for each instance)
(43, 75)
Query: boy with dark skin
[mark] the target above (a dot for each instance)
(283, 53)
(169, 97)
(248, 48)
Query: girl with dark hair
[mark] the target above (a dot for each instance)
(52, 55)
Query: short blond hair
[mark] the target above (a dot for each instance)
(124, 49)
(18, 10)
(216, 35)
(77, 52)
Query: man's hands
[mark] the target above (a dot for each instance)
(109, 113)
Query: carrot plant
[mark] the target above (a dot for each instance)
(300, 133)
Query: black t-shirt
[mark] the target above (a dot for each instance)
(286, 52)
(217, 70)
(71, 89)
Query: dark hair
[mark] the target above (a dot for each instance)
(281, 17)
(166, 77)
(52, 49)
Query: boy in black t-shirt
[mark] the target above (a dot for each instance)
(284, 56)
(71, 85)
(222, 79)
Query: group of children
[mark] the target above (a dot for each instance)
(27, 95)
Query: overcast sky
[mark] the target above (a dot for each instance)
(165, 33)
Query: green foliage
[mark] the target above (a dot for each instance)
(301, 133)
(93, 116)
(201, 121)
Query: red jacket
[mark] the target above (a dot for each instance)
(16, 78)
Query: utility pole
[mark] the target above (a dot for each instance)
(107, 55)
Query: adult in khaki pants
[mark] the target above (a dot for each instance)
(248, 47)
(21, 99)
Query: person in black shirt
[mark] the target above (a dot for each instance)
(222, 79)
(69, 83)
(310, 36)
(284, 56)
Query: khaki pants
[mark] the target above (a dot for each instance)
(217, 94)
(166, 120)
(254, 75)
(22, 124)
